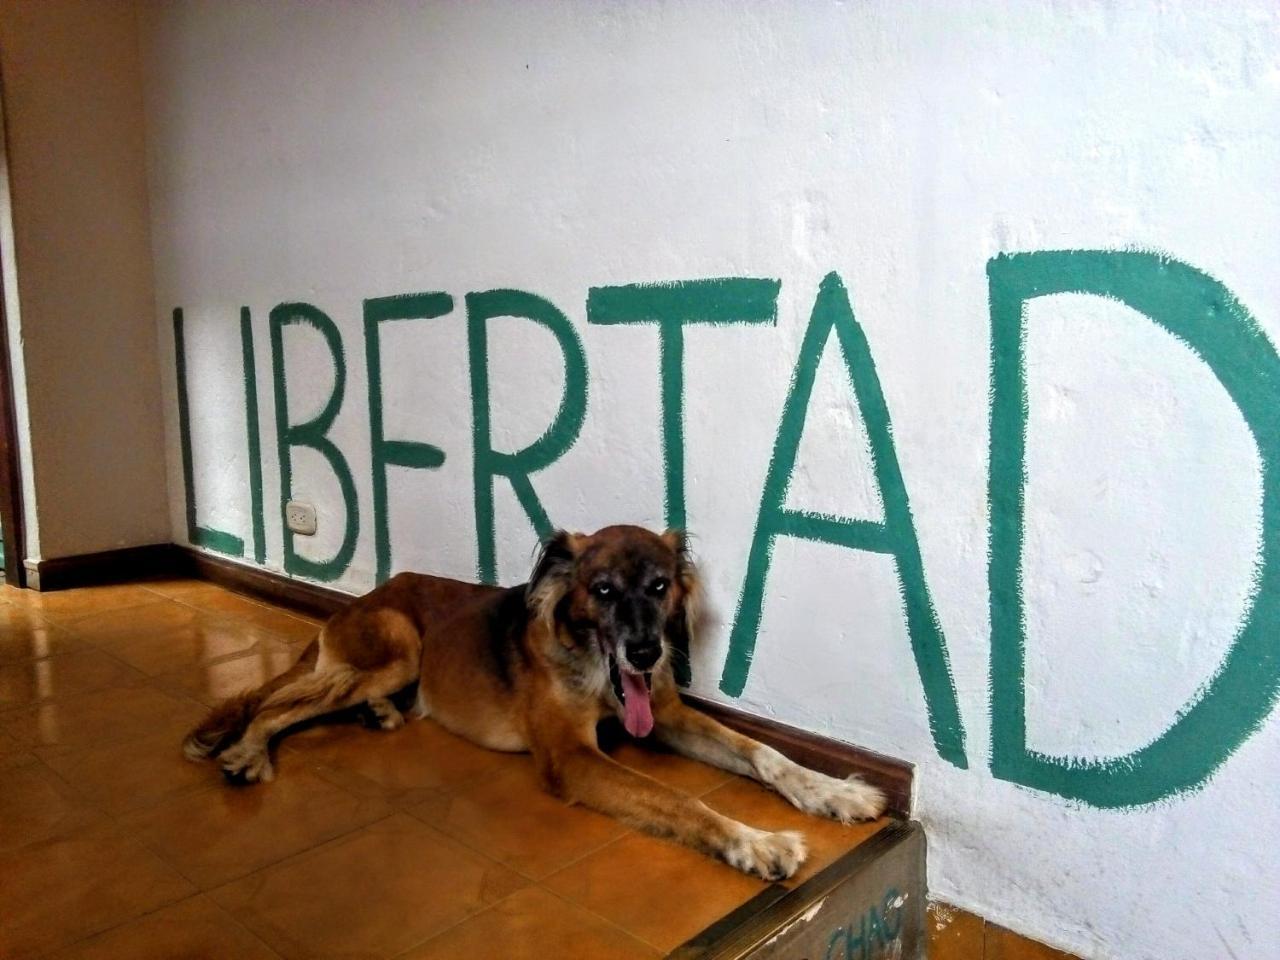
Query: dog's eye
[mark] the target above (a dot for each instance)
(659, 586)
(602, 590)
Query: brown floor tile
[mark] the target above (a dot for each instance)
(67, 675)
(35, 805)
(533, 925)
(134, 774)
(1003, 944)
(195, 929)
(224, 832)
(509, 817)
(208, 639)
(953, 934)
(66, 606)
(177, 587)
(59, 891)
(759, 807)
(375, 893)
(290, 628)
(107, 716)
(403, 766)
(97, 689)
(183, 588)
(658, 891)
(12, 752)
(152, 615)
(687, 776)
(211, 598)
(210, 683)
(26, 635)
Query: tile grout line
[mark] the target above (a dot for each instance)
(152, 912)
(113, 822)
(341, 835)
(240, 596)
(231, 617)
(393, 812)
(70, 624)
(200, 891)
(534, 884)
(629, 832)
(457, 923)
(612, 923)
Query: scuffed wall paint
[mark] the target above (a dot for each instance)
(474, 202)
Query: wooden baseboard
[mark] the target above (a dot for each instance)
(109, 566)
(832, 757)
(136, 563)
(309, 598)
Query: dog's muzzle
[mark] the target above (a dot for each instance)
(643, 656)
(632, 690)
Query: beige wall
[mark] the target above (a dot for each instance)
(74, 112)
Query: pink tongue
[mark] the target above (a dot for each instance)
(639, 718)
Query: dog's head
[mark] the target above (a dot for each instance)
(627, 593)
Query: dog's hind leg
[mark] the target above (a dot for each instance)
(387, 715)
(323, 692)
(227, 722)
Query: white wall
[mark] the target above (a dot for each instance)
(79, 281)
(328, 153)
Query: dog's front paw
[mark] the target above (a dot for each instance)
(843, 800)
(773, 856)
(244, 763)
(816, 793)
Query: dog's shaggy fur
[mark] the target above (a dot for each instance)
(535, 668)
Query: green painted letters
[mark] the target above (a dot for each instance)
(401, 453)
(1205, 316)
(559, 436)
(199, 536)
(671, 306)
(254, 433)
(312, 434)
(896, 536)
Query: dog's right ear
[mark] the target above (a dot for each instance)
(552, 575)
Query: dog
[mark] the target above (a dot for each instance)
(535, 668)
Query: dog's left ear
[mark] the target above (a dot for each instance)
(552, 575)
(680, 630)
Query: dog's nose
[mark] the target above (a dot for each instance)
(643, 656)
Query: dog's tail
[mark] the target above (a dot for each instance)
(228, 720)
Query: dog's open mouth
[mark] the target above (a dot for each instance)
(632, 691)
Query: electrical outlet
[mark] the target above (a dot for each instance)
(300, 517)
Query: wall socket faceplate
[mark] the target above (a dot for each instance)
(300, 517)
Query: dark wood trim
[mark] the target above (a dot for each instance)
(753, 927)
(738, 919)
(814, 751)
(11, 529)
(832, 757)
(110, 566)
(309, 598)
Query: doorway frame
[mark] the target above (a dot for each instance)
(11, 518)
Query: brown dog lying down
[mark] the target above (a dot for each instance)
(535, 668)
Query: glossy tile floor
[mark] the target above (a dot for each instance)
(411, 844)
(956, 934)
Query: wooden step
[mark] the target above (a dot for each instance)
(867, 905)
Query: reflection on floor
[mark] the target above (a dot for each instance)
(369, 844)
